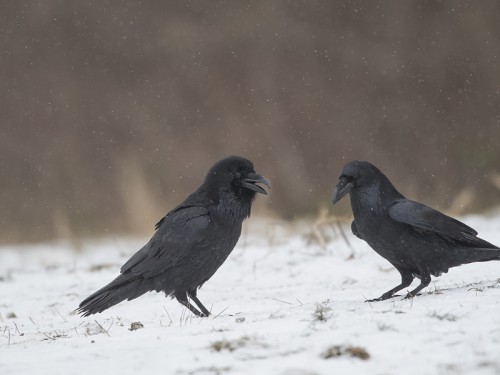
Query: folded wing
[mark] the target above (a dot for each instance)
(426, 218)
(177, 235)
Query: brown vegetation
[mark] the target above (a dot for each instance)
(111, 112)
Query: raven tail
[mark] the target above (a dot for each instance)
(121, 289)
(471, 255)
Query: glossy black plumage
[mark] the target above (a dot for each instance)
(190, 243)
(416, 239)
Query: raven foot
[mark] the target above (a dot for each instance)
(383, 297)
(182, 298)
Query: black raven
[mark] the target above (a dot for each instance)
(190, 243)
(417, 240)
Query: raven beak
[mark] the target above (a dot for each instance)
(343, 187)
(252, 179)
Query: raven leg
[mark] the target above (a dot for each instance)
(183, 300)
(192, 295)
(406, 279)
(425, 279)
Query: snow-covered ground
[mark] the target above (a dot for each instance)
(279, 304)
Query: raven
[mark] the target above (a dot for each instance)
(190, 243)
(416, 239)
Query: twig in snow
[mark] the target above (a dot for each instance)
(182, 317)
(369, 302)
(169, 324)
(47, 336)
(411, 301)
(288, 303)
(111, 325)
(107, 333)
(58, 313)
(219, 314)
(17, 329)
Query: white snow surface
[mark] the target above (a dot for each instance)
(279, 303)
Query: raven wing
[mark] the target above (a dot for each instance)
(424, 217)
(176, 234)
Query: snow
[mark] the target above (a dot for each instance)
(279, 303)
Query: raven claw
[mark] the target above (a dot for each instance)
(383, 297)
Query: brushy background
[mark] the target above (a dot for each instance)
(111, 112)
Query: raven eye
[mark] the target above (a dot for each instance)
(238, 175)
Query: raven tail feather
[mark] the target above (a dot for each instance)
(120, 289)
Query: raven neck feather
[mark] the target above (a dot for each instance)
(233, 208)
(376, 197)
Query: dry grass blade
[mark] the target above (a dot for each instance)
(170, 323)
(17, 329)
(331, 220)
(219, 314)
(104, 330)
(344, 237)
(288, 303)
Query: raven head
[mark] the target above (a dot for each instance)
(239, 175)
(355, 174)
(232, 184)
(344, 186)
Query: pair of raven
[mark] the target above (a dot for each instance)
(193, 240)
